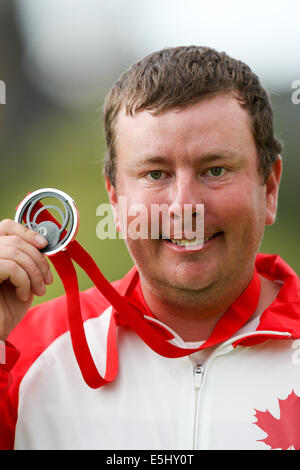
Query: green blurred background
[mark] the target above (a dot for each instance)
(46, 144)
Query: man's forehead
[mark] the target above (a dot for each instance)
(212, 120)
(210, 109)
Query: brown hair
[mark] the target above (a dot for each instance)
(180, 76)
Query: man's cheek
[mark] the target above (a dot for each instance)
(141, 220)
(134, 222)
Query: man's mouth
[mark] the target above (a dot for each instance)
(191, 243)
(183, 242)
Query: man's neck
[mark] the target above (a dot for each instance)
(194, 323)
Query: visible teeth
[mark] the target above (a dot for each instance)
(188, 243)
(194, 242)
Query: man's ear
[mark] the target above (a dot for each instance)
(111, 191)
(113, 198)
(272, 190)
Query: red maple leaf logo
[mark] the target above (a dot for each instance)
(283, 433)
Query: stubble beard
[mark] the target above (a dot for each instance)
(212, 295)
(177, 293)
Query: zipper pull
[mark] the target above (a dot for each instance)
(198, 375)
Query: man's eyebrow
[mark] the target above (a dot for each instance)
(207, 158)
(148, 160)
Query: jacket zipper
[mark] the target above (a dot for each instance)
(198, 376)
(199, 370)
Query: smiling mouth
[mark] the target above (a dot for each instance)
(193, 243)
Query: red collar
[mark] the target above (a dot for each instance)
(282, 315)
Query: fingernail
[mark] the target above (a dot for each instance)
(41, 240)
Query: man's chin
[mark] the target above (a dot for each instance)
(179, 288)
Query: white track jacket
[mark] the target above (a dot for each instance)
(241, 394)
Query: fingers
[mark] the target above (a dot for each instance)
(13, 247)
(18, 278)
(21, 261)
(9, 227)
(35, 266)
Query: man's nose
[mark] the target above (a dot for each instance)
(185, 191)
(186, 209)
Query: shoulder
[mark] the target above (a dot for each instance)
(43, 327)
(47, 321)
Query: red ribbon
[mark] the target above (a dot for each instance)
(130, 314)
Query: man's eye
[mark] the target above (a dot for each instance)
(155, 175)
(216, 171)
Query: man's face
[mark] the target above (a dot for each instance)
(202, 154)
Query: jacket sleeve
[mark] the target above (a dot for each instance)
(8, 357)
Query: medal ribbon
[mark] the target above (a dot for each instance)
(130, 314)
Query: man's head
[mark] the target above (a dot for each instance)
(192, 126)
(177, 77)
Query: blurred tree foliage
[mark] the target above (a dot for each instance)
(43, 145)
(60, 152)
(64, 150)
(282, 238)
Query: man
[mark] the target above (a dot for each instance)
(184, 126)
